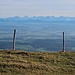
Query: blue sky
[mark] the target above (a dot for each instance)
(9, 8)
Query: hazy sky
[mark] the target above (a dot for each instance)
(37, 8)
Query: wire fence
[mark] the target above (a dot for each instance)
(37, 42)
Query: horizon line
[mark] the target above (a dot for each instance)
(35, 16)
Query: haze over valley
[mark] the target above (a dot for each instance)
(41, 33)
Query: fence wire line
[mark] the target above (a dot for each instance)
(22, 40)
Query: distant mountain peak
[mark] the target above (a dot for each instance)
(41, 18)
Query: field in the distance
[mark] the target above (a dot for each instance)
(36, 63)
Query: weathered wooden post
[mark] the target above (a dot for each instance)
(63, 42)
(14, 39)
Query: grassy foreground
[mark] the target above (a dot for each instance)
(36, 63)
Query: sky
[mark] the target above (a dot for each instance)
(10, 8)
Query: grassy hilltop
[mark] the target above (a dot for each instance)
(36, 63)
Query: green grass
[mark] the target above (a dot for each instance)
(36, 63)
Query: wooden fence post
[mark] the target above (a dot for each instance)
(14, 39)
(63, 42)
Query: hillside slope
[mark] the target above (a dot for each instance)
(36, 63)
